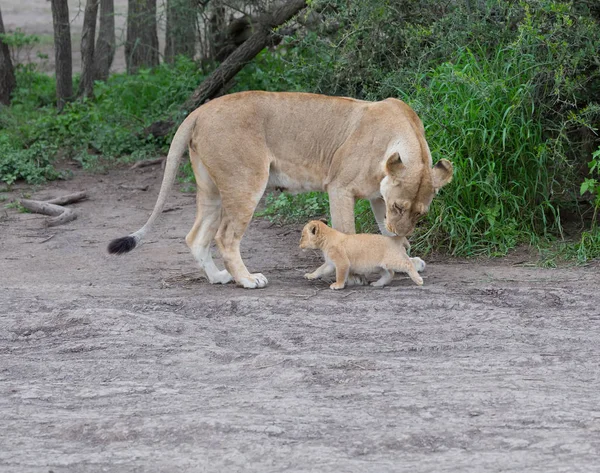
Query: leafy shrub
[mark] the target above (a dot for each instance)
(31, 164)
(506, 90)
(592, 183)
(109, 126)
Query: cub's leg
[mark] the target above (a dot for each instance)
(208, 218)
(378, 207)
(326, 269)
(341, 206)
(414, 275)
(404, 264)
(342, 268)
(239, 204)
(385, 279)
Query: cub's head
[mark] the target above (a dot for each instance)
(312, 234)
(408, 192)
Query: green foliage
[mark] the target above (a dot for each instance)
(584, 250)
(110, 125)
(592, 184)
(31, 164)
(299, 208)
(507, 91)
(20, 44)
(287, 208)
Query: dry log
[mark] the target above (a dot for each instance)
(61, 214)
(68, 199)
(54, 208)
(148, 162)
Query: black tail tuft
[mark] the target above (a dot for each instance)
(121, 245)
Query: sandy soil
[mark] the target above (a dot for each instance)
(131, 364)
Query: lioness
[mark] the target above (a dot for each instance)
(244, 143)
(362, 254)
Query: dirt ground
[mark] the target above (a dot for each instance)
(134, 364)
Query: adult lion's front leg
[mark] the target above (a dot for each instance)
(341, 206)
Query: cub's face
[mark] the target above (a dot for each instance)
(308, 240)
(408, 193)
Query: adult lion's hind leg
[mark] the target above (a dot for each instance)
(238, 208)
(208, 218)
(206, 225)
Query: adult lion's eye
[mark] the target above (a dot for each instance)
(398, 209)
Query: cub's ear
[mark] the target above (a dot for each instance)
(394, 166)
(442, 173)
(323, 220)
(313, 228)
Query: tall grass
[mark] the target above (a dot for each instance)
(507, 91)
(480, 112)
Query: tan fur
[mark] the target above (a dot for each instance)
(241, 144)
(362, 254)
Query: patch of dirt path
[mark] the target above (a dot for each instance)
(133, 363)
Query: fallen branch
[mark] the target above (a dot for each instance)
(135, 188)
(148, 162)
(54, 208)
(68, 199)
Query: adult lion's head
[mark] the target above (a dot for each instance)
(409, 190)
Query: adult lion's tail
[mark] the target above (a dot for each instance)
(176, 151)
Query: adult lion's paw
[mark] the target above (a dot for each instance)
(222, 277)
(254, 281)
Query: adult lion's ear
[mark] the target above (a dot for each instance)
(394, 166)
(442, 173)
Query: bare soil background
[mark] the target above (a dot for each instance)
(134, 363)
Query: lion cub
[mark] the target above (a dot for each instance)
(363, 253)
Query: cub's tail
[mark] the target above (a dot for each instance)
(176, 151)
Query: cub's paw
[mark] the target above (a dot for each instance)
(222, 277)
(313, 275)
(336, 285)
(419, 264)
(254, 281)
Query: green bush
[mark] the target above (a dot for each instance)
(109, 126)
(507, 91)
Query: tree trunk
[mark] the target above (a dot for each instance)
(62, 46)
(105, 44)
(88, 35)
(244, 54)
(141, 46)
(7, 71)
(181, 29)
